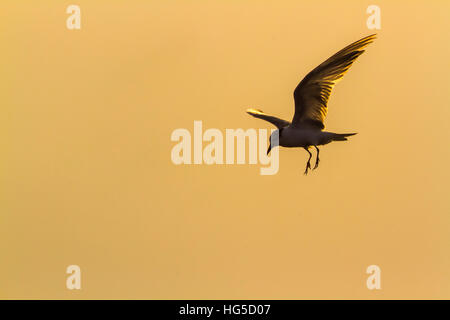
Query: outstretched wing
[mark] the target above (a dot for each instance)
(312, 93)
(279, 123)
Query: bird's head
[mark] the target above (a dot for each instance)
(274, 137)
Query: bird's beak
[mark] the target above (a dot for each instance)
(270, 148)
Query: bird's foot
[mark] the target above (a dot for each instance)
(308, 166)
(317, 164)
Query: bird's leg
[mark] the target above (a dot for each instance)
(308, 164)
(317, 158)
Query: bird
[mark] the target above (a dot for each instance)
(311, 97)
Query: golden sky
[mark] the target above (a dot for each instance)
(87, 179)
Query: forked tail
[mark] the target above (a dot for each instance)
(342, 136)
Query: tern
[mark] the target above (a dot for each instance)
(311, 96)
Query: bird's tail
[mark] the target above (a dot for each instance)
(342, 136)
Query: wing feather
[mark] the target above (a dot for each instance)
(279, 123)
(312, 93)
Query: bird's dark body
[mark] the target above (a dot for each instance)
(291, 137)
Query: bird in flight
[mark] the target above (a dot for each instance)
(311, 97)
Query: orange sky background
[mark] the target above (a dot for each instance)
(87, 179)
